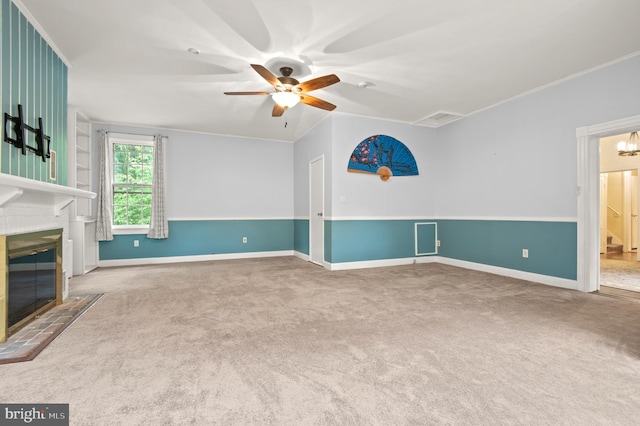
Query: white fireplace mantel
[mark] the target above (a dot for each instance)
(16, 191)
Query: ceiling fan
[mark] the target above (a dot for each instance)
(290, 91)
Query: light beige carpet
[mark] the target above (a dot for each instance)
(282, 342)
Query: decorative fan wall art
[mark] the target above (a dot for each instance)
(383, 155)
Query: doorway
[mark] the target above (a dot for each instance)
(588, 194)
(619, 262)
(316, 211)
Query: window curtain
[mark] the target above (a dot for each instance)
(104, 217)
(159, 226)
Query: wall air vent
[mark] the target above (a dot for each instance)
(439, 118)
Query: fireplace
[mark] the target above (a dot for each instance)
(30, 277)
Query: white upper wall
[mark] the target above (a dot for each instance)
(519, 159)
(367, 196)
(516, 160)
(224, 177)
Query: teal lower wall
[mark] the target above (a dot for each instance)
(552, 245)
(301, 236)
(204, 237)
(363, 240)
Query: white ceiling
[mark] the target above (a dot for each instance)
(129, 62)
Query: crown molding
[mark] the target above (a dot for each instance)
(40, 29)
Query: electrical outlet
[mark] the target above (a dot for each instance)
(136, 243)
(244, 240)
(437, 243)
(525, 253)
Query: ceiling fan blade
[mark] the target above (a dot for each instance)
(266, 74)
(247, 93)
(315, 102)
(278, 110)
(318, 83)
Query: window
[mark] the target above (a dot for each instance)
(132, 183)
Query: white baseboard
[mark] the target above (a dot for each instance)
(199, 258)
(301, 255)
(512, 273)
(379, 263)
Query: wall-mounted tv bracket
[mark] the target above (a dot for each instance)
(19, 127)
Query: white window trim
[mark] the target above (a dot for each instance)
(130, 229)
(127, 139)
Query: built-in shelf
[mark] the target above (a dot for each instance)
(79, 160)
(16, 191)
(82, 229)
(85, 248)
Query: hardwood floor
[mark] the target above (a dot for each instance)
(620, 275)
(629, 256)
(618, 293)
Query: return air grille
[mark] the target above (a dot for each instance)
(439, 118)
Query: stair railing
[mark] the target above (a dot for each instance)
(617, 213)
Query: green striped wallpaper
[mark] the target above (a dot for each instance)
(35, 77)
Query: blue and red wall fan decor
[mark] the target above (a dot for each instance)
(384, 156)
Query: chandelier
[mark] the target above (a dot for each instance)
(629, 148)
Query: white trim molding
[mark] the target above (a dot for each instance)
(344, 266)
(588, 194)
(358, 218)
(438, 217)
(40, 29)
(512, 273)
(203, 258)
(301, 256)
(211, 219)
(435, 238)
(510, 218)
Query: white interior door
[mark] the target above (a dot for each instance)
(316, 211)
(603, 212)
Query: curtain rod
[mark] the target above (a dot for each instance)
(135, 134)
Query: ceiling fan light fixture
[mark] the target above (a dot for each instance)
(286, 99)
(290, 91)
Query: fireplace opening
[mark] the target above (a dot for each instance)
(32, 284)
(33, 278)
